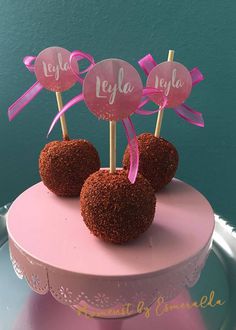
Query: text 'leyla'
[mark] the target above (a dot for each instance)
(108, 90)
(51, 70)
(167, 85)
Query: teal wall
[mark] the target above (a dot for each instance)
(201, 32)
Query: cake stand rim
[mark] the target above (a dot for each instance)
(206, 249)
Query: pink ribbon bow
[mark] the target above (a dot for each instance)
(33, 91)
(147, 63)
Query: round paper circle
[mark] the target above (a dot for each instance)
(112, 89)
(53, 69)
(174, 79)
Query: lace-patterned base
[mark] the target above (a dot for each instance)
(104, 296)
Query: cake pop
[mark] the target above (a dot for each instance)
(65, 165)
(158, 157)
(114, 209)
(116, 205)
(158, 160)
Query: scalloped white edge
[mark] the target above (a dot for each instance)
(226, 224)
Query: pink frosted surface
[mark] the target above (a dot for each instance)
(51, 230)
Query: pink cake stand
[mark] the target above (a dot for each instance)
(52, 248)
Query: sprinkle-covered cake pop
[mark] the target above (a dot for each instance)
(114, 209)
(116, 205)
(158, 160)
(158, 157)
(65, 165)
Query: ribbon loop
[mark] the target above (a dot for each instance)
(196, 76)
(28, 62)
(147, 63)
(79, 55)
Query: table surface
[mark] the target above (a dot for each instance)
(182, 227)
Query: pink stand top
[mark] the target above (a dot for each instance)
(48, 232)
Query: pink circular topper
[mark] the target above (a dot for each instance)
(112, 89)
(53, 69)
(174, 79)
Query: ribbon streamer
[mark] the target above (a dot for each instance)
(33, 91)
(133, 148)
(66, 107)
(193, 117)
(26, 98)
(147, 63)
(29, 95)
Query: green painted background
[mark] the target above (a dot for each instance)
(202, 33)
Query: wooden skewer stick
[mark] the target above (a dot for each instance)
(161, 113)
(112, 124)
(62, 118)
